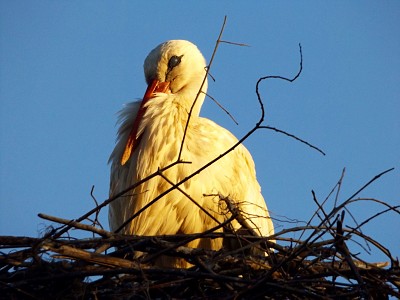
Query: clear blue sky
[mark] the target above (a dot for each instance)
(67, 67)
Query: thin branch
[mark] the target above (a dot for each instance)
(234, 43)
(294, 137)
(77, 225)
(275, 77)
(201, 86)
(369, 182)
(339, 185)
(223, 108)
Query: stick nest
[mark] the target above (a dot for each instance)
(317, 265)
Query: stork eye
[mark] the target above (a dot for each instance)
(174, 61)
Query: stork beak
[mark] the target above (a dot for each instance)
(133, 140)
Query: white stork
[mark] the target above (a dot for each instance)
(150, 137)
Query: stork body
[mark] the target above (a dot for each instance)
(150, 137)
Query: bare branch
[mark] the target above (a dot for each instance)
(77, 225)
(295, 137)
(220, 106)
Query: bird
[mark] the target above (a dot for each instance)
(164, 129)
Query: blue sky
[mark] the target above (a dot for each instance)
(67, 67)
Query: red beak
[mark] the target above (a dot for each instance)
(133, 140)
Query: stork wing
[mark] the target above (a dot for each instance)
(126, 117)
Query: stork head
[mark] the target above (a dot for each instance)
(179, 68)
(175, 67)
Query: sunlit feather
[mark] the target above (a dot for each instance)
(157, 137)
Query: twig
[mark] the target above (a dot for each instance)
(75, 253)
(223, 108)
(275, 77)
(75, 224)
(294, 137)
(234, 43)
(369, 182)
(201, 86)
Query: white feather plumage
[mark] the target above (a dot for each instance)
(162, 131)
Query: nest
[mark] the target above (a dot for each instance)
(318, 265)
